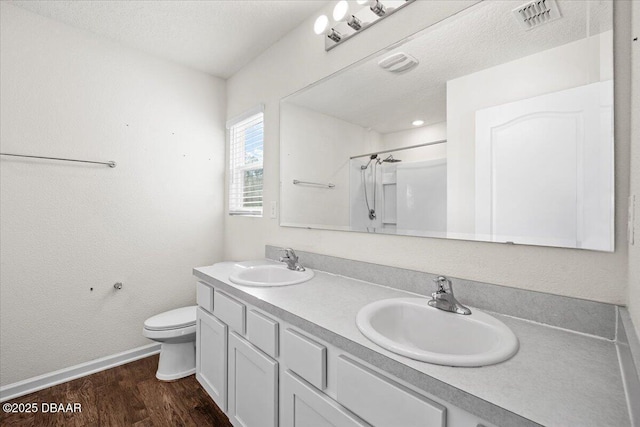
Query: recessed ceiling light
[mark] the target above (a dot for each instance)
(417, 122)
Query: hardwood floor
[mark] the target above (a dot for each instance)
(127, 395)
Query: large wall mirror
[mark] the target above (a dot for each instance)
(495, 124)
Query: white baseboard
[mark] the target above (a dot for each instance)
(20, 388)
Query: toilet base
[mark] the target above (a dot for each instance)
(177, 361)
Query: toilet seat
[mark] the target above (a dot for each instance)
(180, 318)
(167, 334)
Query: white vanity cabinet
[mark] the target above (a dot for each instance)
(253, 385)
(240, 378)
(264, 372)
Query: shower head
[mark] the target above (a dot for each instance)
(371, 158)
(390, 159)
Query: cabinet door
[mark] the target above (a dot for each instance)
(211, 357)
(304, 406)
(253, 385)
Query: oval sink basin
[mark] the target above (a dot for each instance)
(269, 275)
(412, 328)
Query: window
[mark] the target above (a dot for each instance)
(246, 137)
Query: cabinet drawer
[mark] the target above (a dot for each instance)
(229, 311)
(303, 405)
(262, 332)
(382, 402)
(204, 296)
(305, 357)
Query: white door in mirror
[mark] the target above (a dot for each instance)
(411, 328)
(269, 275)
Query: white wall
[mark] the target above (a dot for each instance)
(327, 143)
(564, 67)
(68, 227)
(299, 59)
(415, 136)
(634, 250)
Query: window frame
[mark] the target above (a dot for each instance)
(236, 185)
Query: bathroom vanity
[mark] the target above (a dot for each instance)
(293, 356)
(264, 371)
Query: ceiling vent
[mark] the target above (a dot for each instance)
(398, 62)
(536, 13)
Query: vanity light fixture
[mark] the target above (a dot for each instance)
(352, 17)
(417, 122)
(341, 13)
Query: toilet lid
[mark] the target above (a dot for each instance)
(172, 319)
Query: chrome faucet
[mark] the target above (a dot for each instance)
(443, 297)
(291, 259)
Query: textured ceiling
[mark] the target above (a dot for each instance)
(217, 37)
(483, 36)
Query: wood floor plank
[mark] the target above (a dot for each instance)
(144, 423)
(127, 395)
(86, 395)
(119, 405)
(197, 402)
(162, 404)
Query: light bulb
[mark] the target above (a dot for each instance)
(341, 10)
(341, 14)
(321, 24)
(417, 122)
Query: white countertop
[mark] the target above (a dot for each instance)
(557, 378)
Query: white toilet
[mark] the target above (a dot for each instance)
(176, 330)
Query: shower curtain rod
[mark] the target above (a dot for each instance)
(110, 163)
(442, 141)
